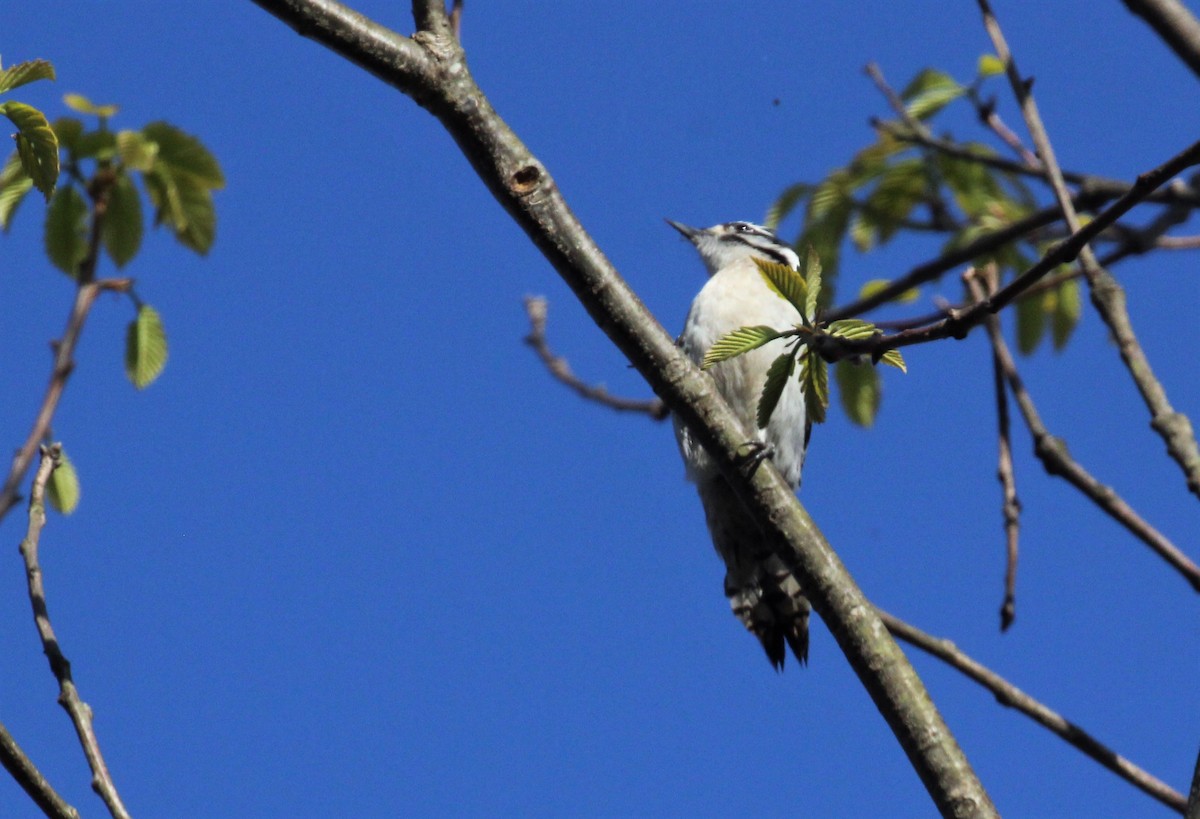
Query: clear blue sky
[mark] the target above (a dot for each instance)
(355, 554)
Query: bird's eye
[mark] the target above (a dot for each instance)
(742, 227)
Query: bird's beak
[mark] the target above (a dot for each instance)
(689, 233)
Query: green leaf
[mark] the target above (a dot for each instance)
(875, 285)
(859, 389)
(14, 184)
(145, 347)
(814, 375)
(785, 282)
(929, 92)
(1031, 322)
(36, 144)
(786, 203)
(990, 65)
(893, 359)
(137, 152)
(122, 229)
(62, 490)
(1067, 310)
(66, 230)
(742, 340)
(852, 329)
(98, 144)
(183, 152)
(901, 187)
(68, 130)
(23, 73)
(812, 280)
(778, 373)
(82, 105)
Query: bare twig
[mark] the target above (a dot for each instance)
(456, 12)
(1010, 696)
(26, 774)
(1175, 24)
(1053, 454)
(68, 697)
(989, 117)
(64, 364)
(1008, 481)
(1107, 295)
(536, 307)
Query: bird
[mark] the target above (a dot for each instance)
(763, 592)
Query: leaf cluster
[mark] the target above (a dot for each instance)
(36, 162)
(800, 356)
(895, 185)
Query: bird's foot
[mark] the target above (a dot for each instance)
(752, 453)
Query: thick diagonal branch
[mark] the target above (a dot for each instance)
(1175, 24)
(431, 68)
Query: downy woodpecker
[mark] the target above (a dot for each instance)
(762, 591)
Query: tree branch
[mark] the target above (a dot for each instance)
(26, 774)
(442, 84)
(536, 308)
(1010, 696)
(68, 697)
(1107, 295)
(1052, 452)
(1177, 27)
(1011, 506)
(64, 365)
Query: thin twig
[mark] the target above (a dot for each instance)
(989, 117)
(1193, 803)
(536, 307)
(1011, 507)
(1052, 452)
(958, 324)
(64, 364)
(26, 774)
(68, 697)
(456, 12)
(1010, 696)
(1107, 295)
(1179, 192)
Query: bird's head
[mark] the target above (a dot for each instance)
(722, 245)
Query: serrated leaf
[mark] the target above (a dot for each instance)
(778, 373)
(14, 184)
(184, 205)
(742, 340)
(62, 490)
(137, 152)
(24, 73)
(82, 105)
(851, 329)
(893, 359)
(98, 144)
(875, 285)
(812, 280)
(863, 230)
(786, 203)
(990, 65)
(145, 347)
(122, 228)
(66, 230)
(814, 375)
(183, 152)
(68, 130)
(1068, 308)
(902, 186)
(1031, 322)
(36, 145)
(859, 390)
(785, 282)
(929, 92)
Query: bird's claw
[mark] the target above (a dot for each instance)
(752, 453)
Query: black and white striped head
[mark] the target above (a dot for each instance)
(722, 245)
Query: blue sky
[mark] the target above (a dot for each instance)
(355, 554)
